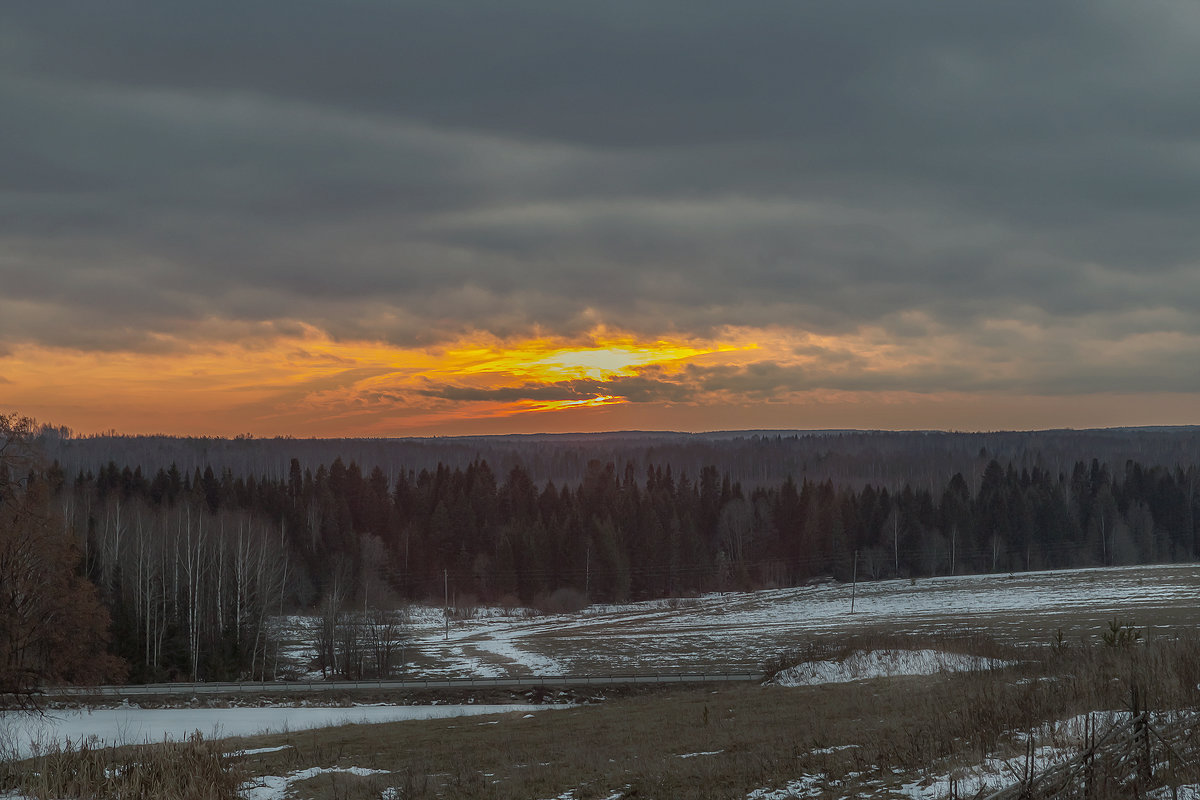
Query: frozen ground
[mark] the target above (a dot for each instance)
(734, 631)
(119, 726)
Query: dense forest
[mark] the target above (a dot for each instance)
(192, 565)
(219, 554)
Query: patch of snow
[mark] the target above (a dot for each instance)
(504, 647)
(807, 786)
(258, 751)
(826, 751)
(1189, 792)
(865, 665)
(272, 787)
(706, 753)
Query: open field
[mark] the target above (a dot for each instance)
(733, 632)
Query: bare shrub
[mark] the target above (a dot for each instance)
(562, 601)
(466, 606)
(511, 605)
(386, 635)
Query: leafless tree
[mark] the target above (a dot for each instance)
(52, 626)
(386, 636)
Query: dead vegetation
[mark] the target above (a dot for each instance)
(197, 769)
(867, 738)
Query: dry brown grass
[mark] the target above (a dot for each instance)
(864, 737)
(193, 770)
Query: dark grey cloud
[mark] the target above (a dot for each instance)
(623, 72)
(411, 170)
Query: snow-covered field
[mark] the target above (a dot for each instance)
(733, 632)
(132, 725)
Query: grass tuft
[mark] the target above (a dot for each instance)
(196, 769)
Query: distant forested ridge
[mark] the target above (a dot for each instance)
(752, 458)
(193, 562)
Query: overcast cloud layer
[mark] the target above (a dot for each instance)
(1021, 179)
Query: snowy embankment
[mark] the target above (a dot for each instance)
(866, 665)
(26, 734)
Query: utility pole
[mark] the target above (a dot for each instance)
(446, 578)
(896, 538)
(854, 582)
(587, 574)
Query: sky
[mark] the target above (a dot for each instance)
(421, 217)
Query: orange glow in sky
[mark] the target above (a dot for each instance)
(307, 383)
(314, 385)
(546, 359)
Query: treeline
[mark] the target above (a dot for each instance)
(752, 458)
(193, 566)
